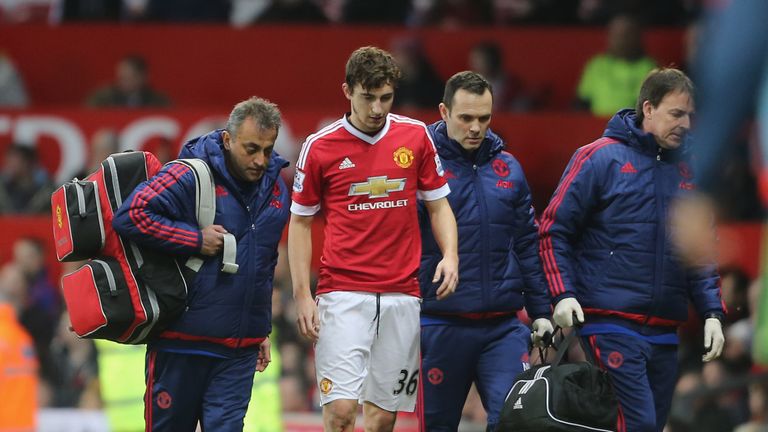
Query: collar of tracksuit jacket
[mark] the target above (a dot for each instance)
(622, 127)
(450, 149)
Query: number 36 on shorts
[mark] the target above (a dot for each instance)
(407, 382)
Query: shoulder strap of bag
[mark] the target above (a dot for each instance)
(205, 206)
(562, 347)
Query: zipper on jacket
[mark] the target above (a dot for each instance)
(658, 268)
(485, 260)
(262, 201)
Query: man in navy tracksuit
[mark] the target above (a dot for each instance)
(607, 252)
(475, 335)
(201, 368)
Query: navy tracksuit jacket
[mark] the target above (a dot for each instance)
(202, 366)
(605, 240)
(474, 335)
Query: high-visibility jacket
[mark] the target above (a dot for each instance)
(18, 375)
(265, 410)
(121, 381)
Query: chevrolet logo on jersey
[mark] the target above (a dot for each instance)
(377, 187)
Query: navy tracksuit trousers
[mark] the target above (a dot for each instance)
(183, 389)
(490, 353)
(644, 376)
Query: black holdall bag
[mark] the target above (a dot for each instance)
(561, 397)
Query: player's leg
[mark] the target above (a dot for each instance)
(393, 377)
(662, 374)
(447, 373)
(626, 359)
(504, 356)
(342, 354)
(377, 419)
(339, 415)
(175, 386)
(228, 392)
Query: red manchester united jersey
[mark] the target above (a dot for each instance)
(367, 187)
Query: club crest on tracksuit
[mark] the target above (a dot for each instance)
(435, 376)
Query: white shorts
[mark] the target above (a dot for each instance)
(368, 352)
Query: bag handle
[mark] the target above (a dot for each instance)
(562, 346)
(205, 208)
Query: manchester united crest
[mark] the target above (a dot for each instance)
(59, 219)
(326, 385)
(403, 157)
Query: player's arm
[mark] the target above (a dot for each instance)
(299, 259)
(444, 229)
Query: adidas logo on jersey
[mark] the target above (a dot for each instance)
(346, 164)
(518, 404)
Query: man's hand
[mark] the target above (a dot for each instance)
(307, 319)
(564, 310)
(264, 355)
(213, 240)
(447, 270)
(540, 328)
(713, 339)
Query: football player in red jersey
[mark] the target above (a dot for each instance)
(365, 172)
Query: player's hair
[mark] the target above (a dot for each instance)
(372, 68)
(659, 83)
(265, 113)
(470, 81)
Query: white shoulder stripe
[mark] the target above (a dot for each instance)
(304, 153)
(403, 119)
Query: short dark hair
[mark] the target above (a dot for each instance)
(470, 81)
(372, 68)
(659, 83)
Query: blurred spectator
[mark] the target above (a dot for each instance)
(453, 14)
(104, 142)
(24, 11)
(18, 366)
(375, 12)
(737, 354)
(131, 88)
(292, 11)
(734, 284)
(76, 385)
(42, 304)
(758, 408)
(86, 10)
(420, 87)
(12, 91)
(509, 94)
(696, 407)
(611, 81)
(29, 256)
(25, 187)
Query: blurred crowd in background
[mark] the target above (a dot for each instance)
(717, 396)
